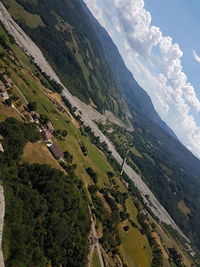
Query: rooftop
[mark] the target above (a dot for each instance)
(56, 151)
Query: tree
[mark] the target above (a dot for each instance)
(8, 102)
(68, 157)
(32, 106)
(92, 174)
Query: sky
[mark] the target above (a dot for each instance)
(160, 44)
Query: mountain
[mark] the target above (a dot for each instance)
(73, 49)
(127, 228)
(134, 94)
(47, 221)
(96, 72)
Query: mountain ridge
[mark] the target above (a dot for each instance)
(135, 95)
(164, 216)
(154, 146)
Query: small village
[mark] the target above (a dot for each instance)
(46, 129)
(5, 86)
(44, 125)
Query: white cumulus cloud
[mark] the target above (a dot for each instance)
(155, 61)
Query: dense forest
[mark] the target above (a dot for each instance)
(47, 218)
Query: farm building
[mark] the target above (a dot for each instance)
(35, 116)
(7, 81)
(4, 94)
(50, 126)
(56, 151)
(47, 136)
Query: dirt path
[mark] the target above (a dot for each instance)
(88, 114)
(22, 95)
(97, 245)
(90, 255)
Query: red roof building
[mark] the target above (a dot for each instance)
(47, 136)
(7, 81)
(50, 126)
(56, 151)
(2, 87)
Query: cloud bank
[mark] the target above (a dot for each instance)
(142, 45)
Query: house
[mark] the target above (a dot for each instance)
(11, 55)
(7, 81)
(49, 126)
(56, 151)
(3, 91)
(1, 148)
(35, 116)
(2, 86)
(47, 136)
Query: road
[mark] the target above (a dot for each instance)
(97, 243)
(91, 255)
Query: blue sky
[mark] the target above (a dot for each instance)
(180, 20)
(156, 40)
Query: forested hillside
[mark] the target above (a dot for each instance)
(49, 191)
(72, 48)
(135, 96)
(53, 167)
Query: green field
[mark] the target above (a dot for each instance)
(135, 248)
(95, 259)
(19, 13)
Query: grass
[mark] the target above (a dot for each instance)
(168, 242)
(149, 158)
(95, 159)
(44, 156)
(95, 259)
(167, 170)
(136, 152)
(31, 88)
(6, 112)
(132, 210)
(135, 248)
(19, 13)
(183, 208)
(160, 244)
